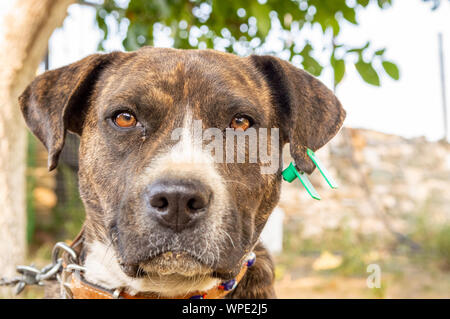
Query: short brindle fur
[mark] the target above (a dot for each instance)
(166, 89)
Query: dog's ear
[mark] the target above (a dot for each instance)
(312, 113)
(55, 101)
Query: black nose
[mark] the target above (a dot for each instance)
(178, 204)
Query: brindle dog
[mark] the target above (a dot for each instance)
(161, 215)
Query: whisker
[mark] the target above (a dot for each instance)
(229, 237)
(237, 182)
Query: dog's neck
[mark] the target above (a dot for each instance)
(103, 269)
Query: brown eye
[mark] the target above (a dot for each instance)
(125, 120)
(240, 123)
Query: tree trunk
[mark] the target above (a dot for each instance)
(27, 27)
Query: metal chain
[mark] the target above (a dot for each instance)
(30, 275)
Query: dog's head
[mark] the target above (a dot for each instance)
(152, 189)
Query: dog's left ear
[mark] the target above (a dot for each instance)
(54, 102)
(312, 113)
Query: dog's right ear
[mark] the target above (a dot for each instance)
(311, 113)
(55, 101)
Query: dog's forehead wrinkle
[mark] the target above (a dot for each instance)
(184, 70)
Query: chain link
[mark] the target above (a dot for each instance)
(30, 275)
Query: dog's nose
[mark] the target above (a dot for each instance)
(178, 204)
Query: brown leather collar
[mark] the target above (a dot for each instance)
(79, 288)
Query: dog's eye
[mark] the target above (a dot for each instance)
(125, 120)
(240, 123)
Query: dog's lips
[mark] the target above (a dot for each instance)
(175, 262)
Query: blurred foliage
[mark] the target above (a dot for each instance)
(68, 214)
(244, 27)
(30, 185)
(442, 244)
(434, 238)
(48, 219)
(343, 241)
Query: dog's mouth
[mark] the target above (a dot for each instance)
(181, 263)
(175, 262)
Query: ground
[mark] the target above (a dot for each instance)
(415, 281)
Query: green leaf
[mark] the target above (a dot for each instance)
(364, 3)
(359, 50)
(380, 52)
(384, 3)
(391, 69)
(309, 63)
(350, 16)
(339, 71)
(261, 13)
(356, 50)
(367, 72)
(335, 26)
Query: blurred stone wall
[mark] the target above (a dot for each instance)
(385, 182)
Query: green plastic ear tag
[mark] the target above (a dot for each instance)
(291, 172)
(322, 169)
(289, 175)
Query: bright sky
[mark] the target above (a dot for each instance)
(409, 107)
